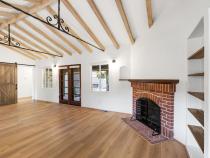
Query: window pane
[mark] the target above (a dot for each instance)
(66, 90)
(95, 68)
(77, 91)
(66, 76)
(76, 97)
(47, 78)
(96, 78)
(104, 77)
(76, 75)
(65, 84)
(76, 84)
(105, 67)
(65, 97)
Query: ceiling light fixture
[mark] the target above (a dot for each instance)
(57, 25)
(9, 41)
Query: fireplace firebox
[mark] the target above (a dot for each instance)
(148, 112)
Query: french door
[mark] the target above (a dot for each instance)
(8, 84)
(70, 84)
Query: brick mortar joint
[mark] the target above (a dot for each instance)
(154, 91)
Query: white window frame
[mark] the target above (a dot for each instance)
(91, 69)
(44, 79)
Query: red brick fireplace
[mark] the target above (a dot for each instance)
(162, 93)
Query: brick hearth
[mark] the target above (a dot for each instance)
(162, 93)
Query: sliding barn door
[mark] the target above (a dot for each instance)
(8, 84)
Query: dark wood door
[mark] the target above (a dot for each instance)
(64, 86)
(70, 85)
(75, 86)
(8, 84)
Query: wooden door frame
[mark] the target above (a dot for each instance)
(67, 67)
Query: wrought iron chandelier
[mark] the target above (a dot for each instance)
(9, 41)
(49, 21)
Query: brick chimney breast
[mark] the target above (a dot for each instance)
(162, 93)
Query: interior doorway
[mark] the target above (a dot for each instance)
(70, 84)
(26, 88)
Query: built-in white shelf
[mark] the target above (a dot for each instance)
(196, 97)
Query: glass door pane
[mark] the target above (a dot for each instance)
(65, 86)
(76, 85)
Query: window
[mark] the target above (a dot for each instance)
(47, 78)
(100, 78)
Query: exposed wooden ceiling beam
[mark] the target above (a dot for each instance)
(27, 40)
(48, 46)
(2, 21)
(82, 23)
(52, 12)
(33, 9)
(7, 14)
(103, 23)
(149, 12)
(125, 20)
(25, 51)
(34, 1)
(17, 5)
(45, 35)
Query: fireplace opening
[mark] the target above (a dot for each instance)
(148, 112)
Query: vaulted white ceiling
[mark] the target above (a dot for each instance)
(135, 10)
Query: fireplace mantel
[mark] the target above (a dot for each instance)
(161, 81)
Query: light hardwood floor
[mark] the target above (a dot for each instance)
(47, 130)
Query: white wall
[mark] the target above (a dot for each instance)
(24, 74)
(117, 99)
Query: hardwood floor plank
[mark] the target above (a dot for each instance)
(41, 129)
